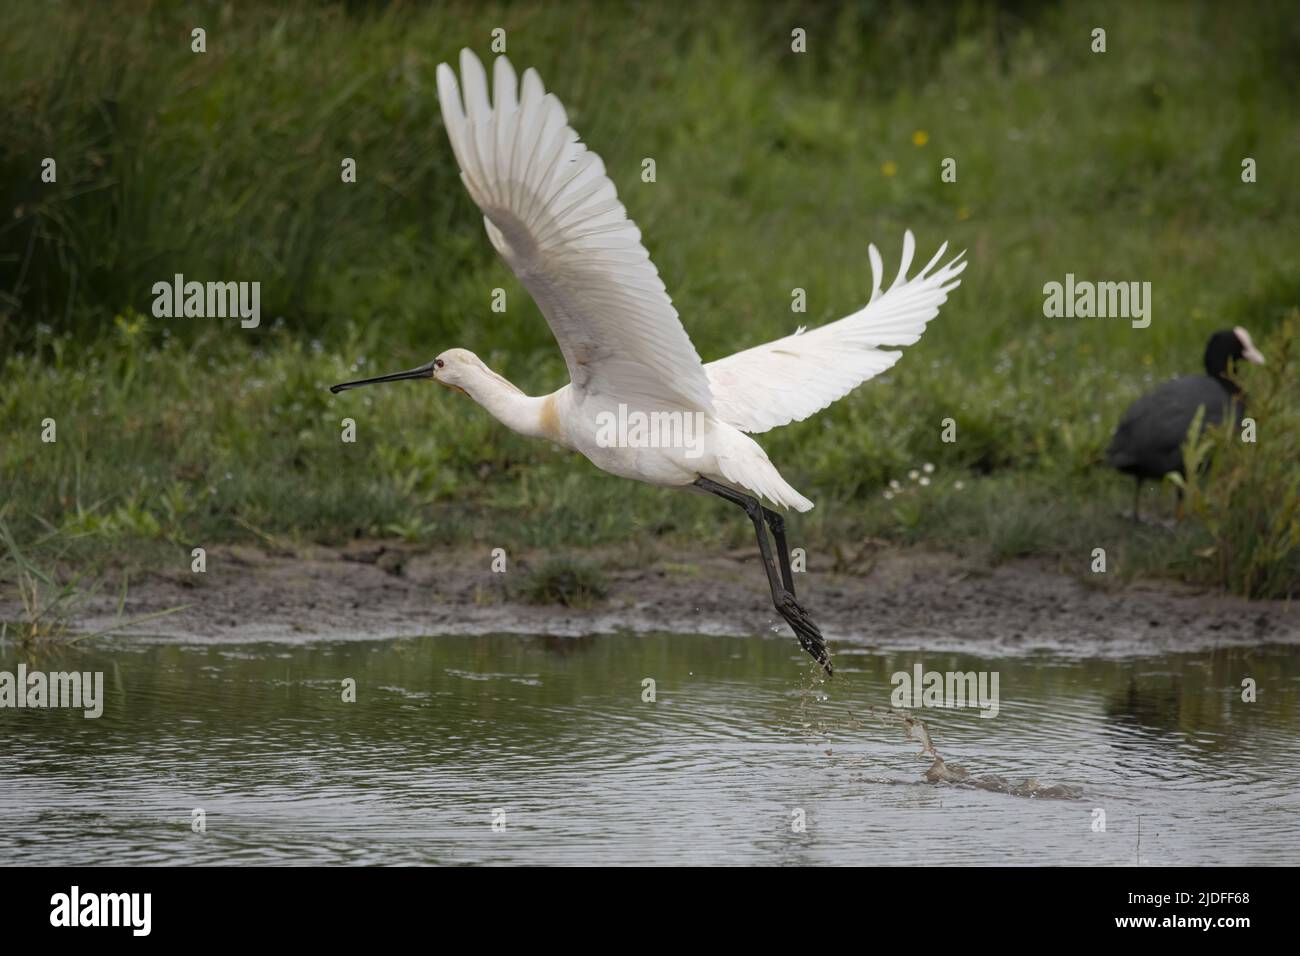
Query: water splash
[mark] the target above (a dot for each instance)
(940, 772)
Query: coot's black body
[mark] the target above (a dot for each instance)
(1148, 442)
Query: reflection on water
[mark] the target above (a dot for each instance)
(554, 733)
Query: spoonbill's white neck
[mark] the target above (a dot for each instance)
(504, 401)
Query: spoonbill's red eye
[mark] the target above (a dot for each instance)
(437, 363)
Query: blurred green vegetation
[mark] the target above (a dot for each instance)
(1246, 504)
(774, 171)
(561, 579)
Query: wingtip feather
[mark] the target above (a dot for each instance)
(877, 270)
(505, 86)
(905, 263)
(474, 79)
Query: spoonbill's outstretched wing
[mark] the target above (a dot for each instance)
(555, 217)
(791, 378)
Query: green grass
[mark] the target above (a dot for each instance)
(771, 174)
(49, 602)
(1245, 501)
(560, 579)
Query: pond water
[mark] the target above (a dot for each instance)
(511, 749)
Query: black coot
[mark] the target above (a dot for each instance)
(1148, 442)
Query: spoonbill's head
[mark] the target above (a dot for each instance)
(1230, 345)
(453, 369)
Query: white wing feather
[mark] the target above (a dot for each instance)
(554, 216)
(793, 377)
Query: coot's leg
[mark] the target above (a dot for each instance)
(1137, 498)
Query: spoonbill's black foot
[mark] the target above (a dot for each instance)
(806, 630)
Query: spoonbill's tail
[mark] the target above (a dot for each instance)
(743, 462)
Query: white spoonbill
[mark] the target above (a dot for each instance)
(554, 216)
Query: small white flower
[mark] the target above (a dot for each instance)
(889, 495)
(958, 485)
(895, 485)
(928, 468)
(913, 474)
(924, 482)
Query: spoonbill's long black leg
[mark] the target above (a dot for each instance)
(754, 510)
(804, 627)
(777, 524)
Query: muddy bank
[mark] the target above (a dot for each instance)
(899, 600)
